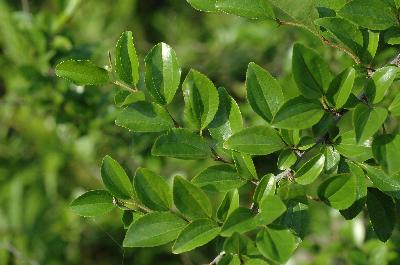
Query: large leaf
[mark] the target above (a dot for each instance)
(152, 190)
(82, 72)
(201, 99)
(341, 87)
(298, 113)
(181, 144)
(382, 213)
(126, 61)
(384, 182)
(257, 140)
(240, 220)
(372, 14)
(144, 116)
(115, 179)
(190, 199)
(263, 92)
(348, 147)
(386, 150)
(380, 82)
(367, 121)
(310, 71)
(163, 73)
(310, 170)
(339, 191)
(271, 207)
(246, 8)
(154, 229)
(93, 203)
(196, 234)
(219, 178)
(203, 5)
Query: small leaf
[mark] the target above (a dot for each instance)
(298, 113)
(332, 158)
(341, 87)
(265, 187)
(394, 108)
(152, 190)
(203, 5)
(82, 72)
(240, 221)
(276, 244)
(93, 203)
(310, 71)
(244, 165)
(380, 82)
(382, 213)
(286, 159)
(263, 92)
(386, 150)
(348, 147)
(271, 207)
(126, 61)
(144, 116)
(310, 170)
(115, 179)
(181, 144)
(201, 99)
(163, 73)
(228, 204)
(190, 200)
(218, 178)
(260, 9)
(124, 98)
(339, 191)
(196, 234)
(384, 182)
(367, 121)
(257, 140)
(154, 229)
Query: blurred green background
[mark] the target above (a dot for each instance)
(53, 134)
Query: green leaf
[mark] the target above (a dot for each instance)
(372, 14)
(144, 116)
(394, 108)
(380, 82)
(219, 178)
(260, 9)
(240, 244)
(348, 147)
(257, 140)
(286, 159)
(181, 144)
(310, 71)
(126, 61)
(386, 150)
(244, 165)
(124, 98)
(332, 157)
(276, 244)
(271, 207)
(196, 234)
(341, 87)
(163, 73)
(230, 260)
(310, 170)
(265, 187)
(203, 5)
(263, 92)
(298, 113)
(382, 213)
(392, 36)
(297, 218)
(152, 190)
(339, 191)
(367, 121)
(240, 220)
(82, 72)
(228, 119)
(190, 200)
(384, 182)
(228, 204)
(201, 99)
(154, 229)
(115, 179)
(93, 203)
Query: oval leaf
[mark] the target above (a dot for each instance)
(126, 61)
(339, 191)
(367, 121)
(93, 203)
(246, 8)
(310, 171)
(82, 72)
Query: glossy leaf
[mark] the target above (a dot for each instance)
(93, 203)
(286, 159)
(126, 61)
(203, 5)
(332, 158)
(341, 87)
(82, 72)
(348, 147)
(241, 220)
(380, 82)
(265, 187)
(271, 207)
(367, 121)
(384, 182)
(246, 8)
(228, 204)
(339, 191)
(310, 170)
(244, 165)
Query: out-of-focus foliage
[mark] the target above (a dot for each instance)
(53, 135)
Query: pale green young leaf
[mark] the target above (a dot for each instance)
(126, 61)
(240, 220)
(339, 191)
(228, 204)
(310, 170)
(380, 82)
(93, 203)
(255, 9)
(82, 72)
(367, 121)
(271, 207)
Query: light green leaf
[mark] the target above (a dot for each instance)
(271, 207)
(219, 178)
(265, 187)
(115, 179)
(144, 116)
(203, 5)
(228, 204)
(154, 229)
(230, 260)
(310, 170)
(263, 92)
(196, 234)
(240, 220)
(257, 140)
(372, 14)
(339, 191)
(386, 150)
(310, 71)
(244, 165)
(124, 98)
(382, 213)
(93, 203)
(286, 159)
(190, 200)
(348, 147)
(298, 113)
(152, 190)
(341, 87)
(246, 8)
(126, 61)
(384, 182)
(201, 99)
(277, 244)
(367, 121)
(240, 244)
(163, 73)
(394, 108)
(82, 72)
(380, 82)
(332, 157)
(181, 144)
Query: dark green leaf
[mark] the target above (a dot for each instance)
(380, 82)
(93, 203)
(384, 182)
(246, 8)
(240, 220)
(124, 98)
(240, 244)
(126, 61)
(297, 218)
(341, 87)
(228, 204)
(367, 121)
(392, 36)
(310, 170)
(82, 72)
(339, 191)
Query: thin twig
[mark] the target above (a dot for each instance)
(217, 258)
(17, 254)
(124, 86)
